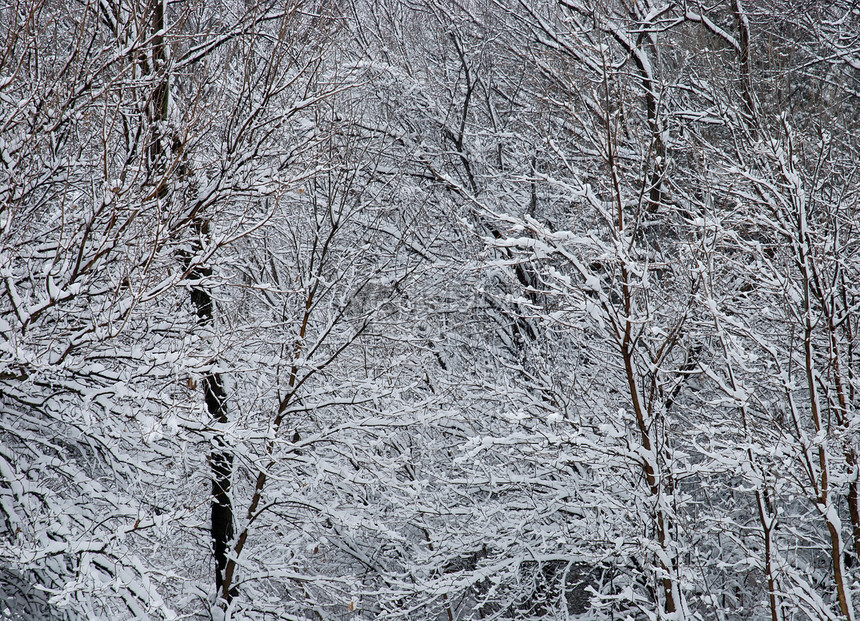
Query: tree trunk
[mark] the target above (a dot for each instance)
(220, 459)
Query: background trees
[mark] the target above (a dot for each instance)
(434, 310)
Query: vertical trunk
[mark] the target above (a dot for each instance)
(220, 458)
(825, 497)
(843, 417)
(767, 516)
(847, 395)
(162, 89)
(650, 468)
(854, 504)
(658, 150)
(650, 464)
(843, 592)
(767, 528)
(743, 25)
(658, 144)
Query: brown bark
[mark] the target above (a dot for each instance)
(626, 345)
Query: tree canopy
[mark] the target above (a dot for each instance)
(430, 309)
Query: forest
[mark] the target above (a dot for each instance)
(430, 310)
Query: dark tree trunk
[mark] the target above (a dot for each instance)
(220, 458)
